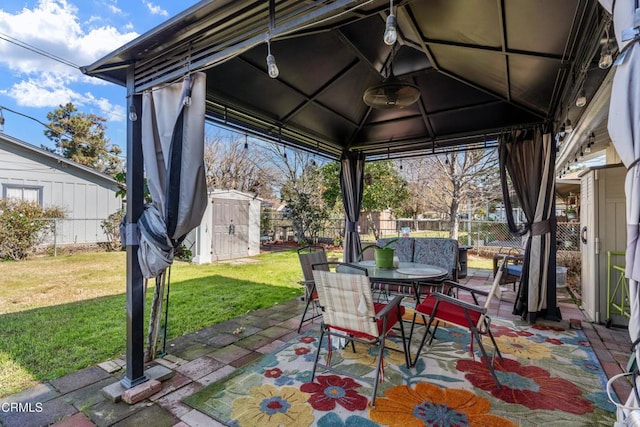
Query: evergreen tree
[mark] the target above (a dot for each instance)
(81, 138)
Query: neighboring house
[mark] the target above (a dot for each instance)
(87, 196)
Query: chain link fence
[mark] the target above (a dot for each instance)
(71, 231)
(490, 234)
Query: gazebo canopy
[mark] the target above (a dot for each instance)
(481, 67)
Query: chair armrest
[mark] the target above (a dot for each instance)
(442, 297)
(454, 285)
(388, 307)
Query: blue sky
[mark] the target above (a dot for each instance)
(80, 32)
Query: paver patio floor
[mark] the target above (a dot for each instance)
(206, 356)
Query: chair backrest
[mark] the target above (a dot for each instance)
(440, 252)
(346, 301)
(308, 256)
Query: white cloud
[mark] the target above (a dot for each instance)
(50, 90)
(58, 32)
(115, 9)
(155, 9)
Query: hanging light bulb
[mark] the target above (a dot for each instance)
(590, 142)
(390, 32)
(568, 128)
(1, 121)
(606, 57)
(272, 68)
(581, 154)
(581, 100)
(246, 142)
(133, 116)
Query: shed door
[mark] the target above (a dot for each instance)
(230, 229)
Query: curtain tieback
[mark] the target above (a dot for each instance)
(542, 227)
(635, 162)
(352, 226)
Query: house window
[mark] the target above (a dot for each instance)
(26, 193)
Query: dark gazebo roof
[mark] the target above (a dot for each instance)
(481, 66)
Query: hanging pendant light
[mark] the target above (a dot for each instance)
(606, 57)
(390, 31)
(272, 68)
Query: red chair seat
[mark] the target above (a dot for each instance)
(378, 306)
(447, 311)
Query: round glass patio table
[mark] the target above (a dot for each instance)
(409, 274)
(406, 272)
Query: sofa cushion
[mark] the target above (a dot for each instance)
(403, 247)
(438, 251)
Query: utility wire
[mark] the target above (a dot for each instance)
(37, 50)
(57, 132)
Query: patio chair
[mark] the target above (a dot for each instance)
(349, 312)
(513, 270)
(308, 256)
(471, 315)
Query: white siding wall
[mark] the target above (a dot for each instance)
(86, 198)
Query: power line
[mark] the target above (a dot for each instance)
(58, 132)
(37, 50)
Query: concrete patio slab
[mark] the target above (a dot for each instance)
(79, 379)
(38, 413)
(199, 359)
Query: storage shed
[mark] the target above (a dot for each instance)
(230, 227)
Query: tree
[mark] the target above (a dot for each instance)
(231, 166)
(449, 180)
(384, 188)
(302, 191)
(417, 174)
(81, 138)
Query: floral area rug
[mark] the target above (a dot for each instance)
(549, 377)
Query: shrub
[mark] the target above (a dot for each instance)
(111, 228)
(23, 226)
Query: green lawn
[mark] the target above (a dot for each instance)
(62, 314)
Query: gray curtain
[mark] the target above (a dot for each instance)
(352, 185)
(624, 129)
(528, 157)
(173, 151)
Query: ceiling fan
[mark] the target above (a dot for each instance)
(392, 93)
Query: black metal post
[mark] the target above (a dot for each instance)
(135, 205)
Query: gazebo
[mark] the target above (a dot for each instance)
(366, 80)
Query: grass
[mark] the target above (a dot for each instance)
(62, 314)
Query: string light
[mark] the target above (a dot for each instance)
(133, 116)
(1, 121)
(581, 100)
(390, 32)
(272, 67)
(606, 57)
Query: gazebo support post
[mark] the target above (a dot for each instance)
(135, 205)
